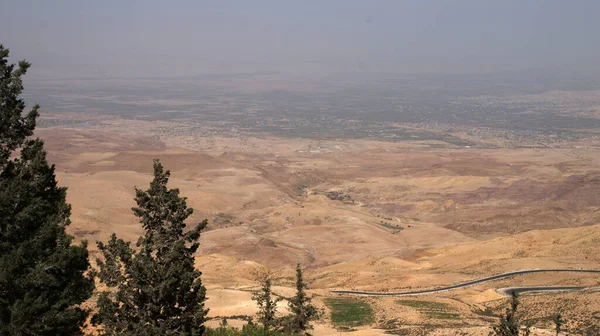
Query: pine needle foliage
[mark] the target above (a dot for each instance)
(509, 324)
(267, 304)
(43, 276)
(301, 308)
(153, 289)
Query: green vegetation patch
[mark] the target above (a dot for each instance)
(391, 226)
(339, 196)
(247, 330)
(432, 309)
(349, 312)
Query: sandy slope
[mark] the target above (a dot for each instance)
(414, 217)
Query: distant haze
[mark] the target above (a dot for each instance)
(151, 38)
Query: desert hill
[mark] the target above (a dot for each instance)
(357, 214)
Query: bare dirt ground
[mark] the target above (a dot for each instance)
(356, 214)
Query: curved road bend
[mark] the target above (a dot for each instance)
(466, 284)
(508, 291)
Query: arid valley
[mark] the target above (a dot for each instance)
(358, 213)
(299, 168)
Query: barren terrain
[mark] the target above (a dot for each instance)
(357, 214)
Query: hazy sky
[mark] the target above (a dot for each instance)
(157, 38)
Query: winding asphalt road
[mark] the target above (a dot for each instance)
(508, 291)
(475, 282)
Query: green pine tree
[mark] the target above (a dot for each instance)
(155, 289)
(509, 324)
(267, 305)
(303, 311)
(42, 276)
